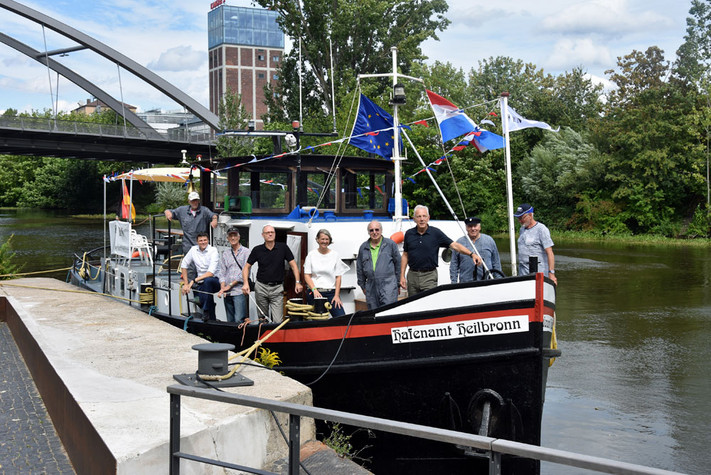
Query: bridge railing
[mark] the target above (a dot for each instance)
(47, 124)
(493, 448)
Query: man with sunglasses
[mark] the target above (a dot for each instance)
(378, 267)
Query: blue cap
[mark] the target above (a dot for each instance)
(523, 209)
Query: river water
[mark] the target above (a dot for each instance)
(634, 322)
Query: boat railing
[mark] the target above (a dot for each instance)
(490, 447)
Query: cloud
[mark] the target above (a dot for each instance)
(604, 17)
(180, 58)
(570, 52)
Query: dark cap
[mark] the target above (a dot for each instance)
(472, 221)
(233, 230)
(523, 209)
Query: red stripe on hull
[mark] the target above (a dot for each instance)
(368, 330)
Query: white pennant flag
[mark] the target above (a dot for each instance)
(517, 122)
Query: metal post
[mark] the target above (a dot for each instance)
(294, 443)
(494, 463)
(509, 186)
(174, 434)
(396, 152)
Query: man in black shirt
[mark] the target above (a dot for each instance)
(420, 251)
(269, 287)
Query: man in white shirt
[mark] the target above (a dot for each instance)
(205, 259)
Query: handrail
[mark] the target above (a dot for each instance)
(495, 447)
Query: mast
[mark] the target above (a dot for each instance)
(509, 186)
(396, 152)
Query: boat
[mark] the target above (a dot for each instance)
(471, 357)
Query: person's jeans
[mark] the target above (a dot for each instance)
(327, 294)
(235, 307)
(206, 289)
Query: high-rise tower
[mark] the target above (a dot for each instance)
(245, 48)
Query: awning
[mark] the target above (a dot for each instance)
(177, 175)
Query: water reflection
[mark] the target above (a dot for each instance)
(633, 382)
(633, 323)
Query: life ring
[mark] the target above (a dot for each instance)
(398, 237)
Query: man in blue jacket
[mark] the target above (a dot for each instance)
(378, 268)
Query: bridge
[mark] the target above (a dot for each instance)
(134, 140)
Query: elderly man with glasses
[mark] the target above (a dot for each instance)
(378, 268)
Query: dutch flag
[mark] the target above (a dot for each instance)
(453, 122)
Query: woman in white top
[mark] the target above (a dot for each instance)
(323, 269)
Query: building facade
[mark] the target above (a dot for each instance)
(245, 48)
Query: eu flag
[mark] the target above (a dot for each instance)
(371, 121)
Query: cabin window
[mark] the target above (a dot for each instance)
(267, 189)
(363, 190)
(315, 182)
(219, 187)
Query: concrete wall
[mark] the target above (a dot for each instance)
(102, 369)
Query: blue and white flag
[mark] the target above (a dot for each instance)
(453, 122)
(518, 122)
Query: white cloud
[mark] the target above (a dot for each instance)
(571, 52)
(180, 58)
(604, 17)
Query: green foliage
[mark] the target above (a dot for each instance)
(561, 168)
(652, 149)
(7, 260)
(359, 47)
(700, 225)
(268, 358)
(340, 442)
(167, 196)
(233, 116)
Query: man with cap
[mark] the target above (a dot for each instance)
(461, 268)
(204, 260)
(232, 262)
(420, 252)
(193, 219)
(534, 240)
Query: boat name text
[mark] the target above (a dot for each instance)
(464, 329)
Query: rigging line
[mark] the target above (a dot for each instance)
(49, 75)
(338, 158)
(456, 187)
(338, 351)
(446, 202)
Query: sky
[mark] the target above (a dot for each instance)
(170, 38)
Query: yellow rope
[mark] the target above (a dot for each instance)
(244, 354)
(85, 269)
(36, 272)
(5, 284)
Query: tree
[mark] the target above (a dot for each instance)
(652, 147)
(233, 116)
(559, 170)
(361, 34)
(692, 71)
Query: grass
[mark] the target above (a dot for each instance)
(642, 239)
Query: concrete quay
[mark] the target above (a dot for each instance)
(102, 369)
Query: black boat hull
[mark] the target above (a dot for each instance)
(433, 366)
